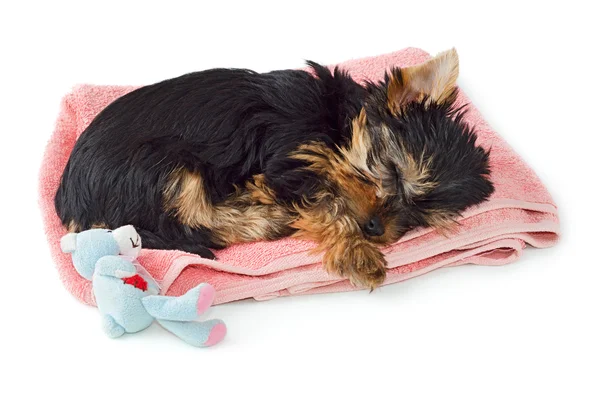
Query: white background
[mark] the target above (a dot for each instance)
(526, 329)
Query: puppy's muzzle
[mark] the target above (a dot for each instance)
(374, 227)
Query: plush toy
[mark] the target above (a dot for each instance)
(127, 296)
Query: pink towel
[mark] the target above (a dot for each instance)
(520, 212)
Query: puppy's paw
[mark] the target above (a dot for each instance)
(361, 262)
(367, 266)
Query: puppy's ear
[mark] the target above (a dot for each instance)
(434, 79)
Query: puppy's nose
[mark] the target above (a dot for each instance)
(374, 227)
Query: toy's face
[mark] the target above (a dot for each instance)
(130, 243)
(90, 245)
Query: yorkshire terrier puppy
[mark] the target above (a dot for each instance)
(225, 156)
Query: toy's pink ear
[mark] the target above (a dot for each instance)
(68, 243)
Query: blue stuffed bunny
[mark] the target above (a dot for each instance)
(127, 296)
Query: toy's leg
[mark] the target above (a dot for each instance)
(111, 327)
(199, 334)
(181, 308)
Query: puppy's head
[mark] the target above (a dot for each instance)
(412, 161)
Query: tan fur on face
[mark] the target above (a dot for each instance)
(242, 218)
(415, 175)
(435, 79)
(356, 153)
(358, 189)
(415, 172)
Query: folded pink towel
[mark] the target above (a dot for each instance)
(520, 212)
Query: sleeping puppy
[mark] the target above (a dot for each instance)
(225, 156)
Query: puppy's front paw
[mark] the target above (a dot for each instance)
(361, 262)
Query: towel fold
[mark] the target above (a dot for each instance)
(520, 212)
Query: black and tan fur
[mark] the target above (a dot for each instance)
(225, 156)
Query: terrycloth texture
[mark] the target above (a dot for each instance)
(520, 212)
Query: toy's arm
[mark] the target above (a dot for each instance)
(115, 266)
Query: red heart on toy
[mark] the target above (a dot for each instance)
(137, 281)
